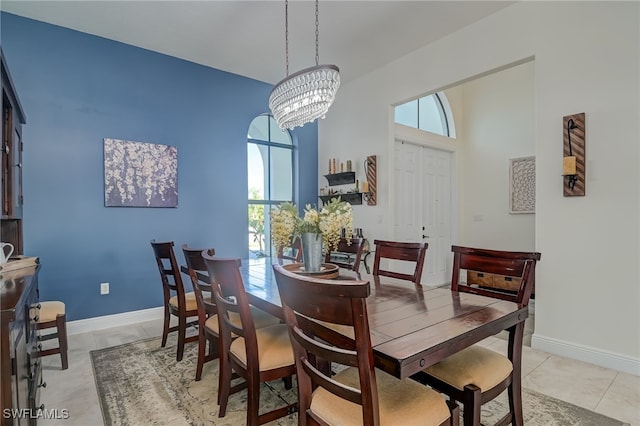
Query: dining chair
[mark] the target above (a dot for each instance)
(207, 311)
(208, 326)
(477, 375)
(176, 301)
(355, 251)
(293, 252)
(52, 314)
(256, 354)
(358, 393)
(408, 252)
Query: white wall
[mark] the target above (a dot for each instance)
(587, 289)
(498, 122)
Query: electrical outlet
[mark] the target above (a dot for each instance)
(104, 288)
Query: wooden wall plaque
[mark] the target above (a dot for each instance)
(577, 149)
(372, 178)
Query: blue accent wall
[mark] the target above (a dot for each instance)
(76, 90)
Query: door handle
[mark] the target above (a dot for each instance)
(426, 236)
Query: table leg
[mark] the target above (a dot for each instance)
(515, 389)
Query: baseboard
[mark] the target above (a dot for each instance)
(588, 354)
(115, 320)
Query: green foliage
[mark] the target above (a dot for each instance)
(256, 220)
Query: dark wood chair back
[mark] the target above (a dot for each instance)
(205, 301)
(356, 248)
(230, 297)
(507, 275)
(342, 303)
(200, 281)
(294, 251)
(172, 284)
(410, 252)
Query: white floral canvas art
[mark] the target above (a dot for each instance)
(139, 174)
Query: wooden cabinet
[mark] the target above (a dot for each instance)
(20, 366)
(11, 196)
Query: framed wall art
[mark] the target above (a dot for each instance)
(522, 185)
(140, 174)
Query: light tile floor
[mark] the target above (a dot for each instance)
(599, 389)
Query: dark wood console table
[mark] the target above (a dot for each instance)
(20, 367)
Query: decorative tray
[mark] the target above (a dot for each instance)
(328, 271)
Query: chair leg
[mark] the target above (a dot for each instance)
(515, 403)
(514, 391)
(165, 328)
(472, 405)
(253, 398)
(224, 383)
(61, 323)
(202, 343)
(288, 382)
(454, 410)
(182, 332)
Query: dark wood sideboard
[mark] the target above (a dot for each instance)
(20, 366)
(11, 197)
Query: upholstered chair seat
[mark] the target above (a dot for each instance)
(475, 365)
(261, 319)
(190, 301)
(50, 310)
(274, 348)
(401, 402)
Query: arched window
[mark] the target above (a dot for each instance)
(430, 113)
(270, 178)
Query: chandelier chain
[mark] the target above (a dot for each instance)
(317, 35)
(286, 33)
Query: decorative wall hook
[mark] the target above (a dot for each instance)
(573, 161)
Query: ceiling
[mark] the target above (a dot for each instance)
(247, 37)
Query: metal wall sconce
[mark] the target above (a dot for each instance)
(573, 161)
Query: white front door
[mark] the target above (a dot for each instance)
(423, 205)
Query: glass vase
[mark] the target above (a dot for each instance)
(312, 251)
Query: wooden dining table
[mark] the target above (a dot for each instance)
(411, 327)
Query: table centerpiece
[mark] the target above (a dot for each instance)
(314, 228)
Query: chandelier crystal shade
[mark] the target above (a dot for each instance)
(306, 95)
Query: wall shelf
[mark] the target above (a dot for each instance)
(352, 198)
(341, 178)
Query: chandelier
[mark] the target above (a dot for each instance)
(303, 96)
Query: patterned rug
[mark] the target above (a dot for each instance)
(141, 383)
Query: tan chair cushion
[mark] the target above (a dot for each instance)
(50, 310)
(401, 402)
(261, 319)
(475, 365)
(189, 298)
(274, 347)
(212, 324)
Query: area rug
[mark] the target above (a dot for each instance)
(141, 383)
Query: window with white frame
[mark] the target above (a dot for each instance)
(270, 178)
(430, 113)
